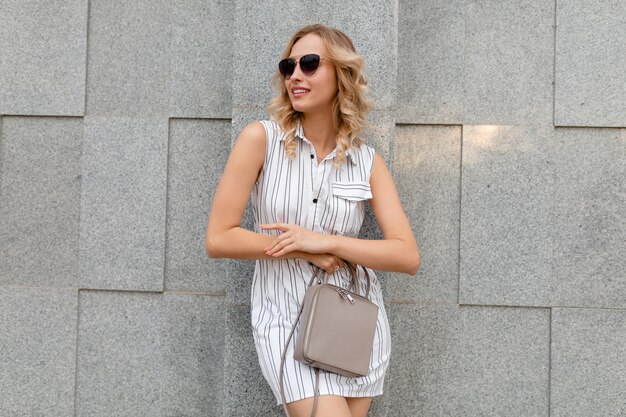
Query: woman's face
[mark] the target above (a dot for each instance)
(315, 92)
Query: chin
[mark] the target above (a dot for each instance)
(298, 107)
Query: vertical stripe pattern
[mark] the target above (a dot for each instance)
(328, 200)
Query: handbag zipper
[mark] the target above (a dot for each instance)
(345, 294)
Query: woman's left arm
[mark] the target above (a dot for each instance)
(396, 252)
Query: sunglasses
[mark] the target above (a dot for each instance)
(308, 65)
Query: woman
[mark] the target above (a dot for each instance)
(309, 176)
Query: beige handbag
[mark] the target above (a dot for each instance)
(337, 330)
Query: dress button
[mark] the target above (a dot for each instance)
(315, 200)
(312, 156)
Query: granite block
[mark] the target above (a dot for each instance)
(192, 351)
(40, 201)
(424, 370)
(589, 72)
(504, 357)
(198, 151)
(262, 30)
(44, 53)
(426, 166)
(118, 358)
(431, 36)
(246, 392)
(506, 226)
(588, 375)
(122, 219)
(508, 62)
(589, 266)
(240, 273)
(37, 348)
(466, 361)
(380, 133)
(149, 354)
(129, 58)
(201, 63)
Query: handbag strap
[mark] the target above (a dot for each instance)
(355, 284)
(355, 279)
(282, 362)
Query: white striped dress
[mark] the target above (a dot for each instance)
(328, 200)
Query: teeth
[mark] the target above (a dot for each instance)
(299, 91)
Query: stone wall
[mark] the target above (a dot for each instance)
(504, 123)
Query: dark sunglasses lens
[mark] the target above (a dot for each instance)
(287, 66)
(309, 63)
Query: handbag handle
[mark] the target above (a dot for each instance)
(355, 278)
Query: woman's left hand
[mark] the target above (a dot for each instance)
(295, 238)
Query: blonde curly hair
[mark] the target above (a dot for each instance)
(351, 104)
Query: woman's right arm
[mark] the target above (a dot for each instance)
(225, 238)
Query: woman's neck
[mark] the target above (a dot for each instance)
(319, 129)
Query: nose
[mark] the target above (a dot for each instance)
(297, 73)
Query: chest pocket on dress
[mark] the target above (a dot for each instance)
(347, 207)
(352, 190)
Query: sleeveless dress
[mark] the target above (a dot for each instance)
(328, 200)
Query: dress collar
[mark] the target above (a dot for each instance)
(299, 134)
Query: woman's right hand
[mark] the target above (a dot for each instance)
(327, 261)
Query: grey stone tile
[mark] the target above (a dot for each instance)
(122, 219)
(588, 375)
(431, 35)
(590, 80)
(589, 218)
(504, 357)
(379, 405)
(192, 349)
(129, 57)
(44, 44)
(198, 151)
(509, 62)
(201, 63)
(380, 133)
(119, 366)
(149, 354)
(426, 166)
(246, 392)
(240, 273)
(465, 361)
(37, 347)
(372, 27)
(40, 201)
(506, 225)
(424, 370)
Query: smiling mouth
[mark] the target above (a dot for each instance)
(299, 92)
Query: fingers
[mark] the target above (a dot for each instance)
(280, 226)
(280, 246)
(280, 242)
(335, 265)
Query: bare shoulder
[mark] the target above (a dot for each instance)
(248, 153)
(382, 184)
(253, 135)
(379, 167)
